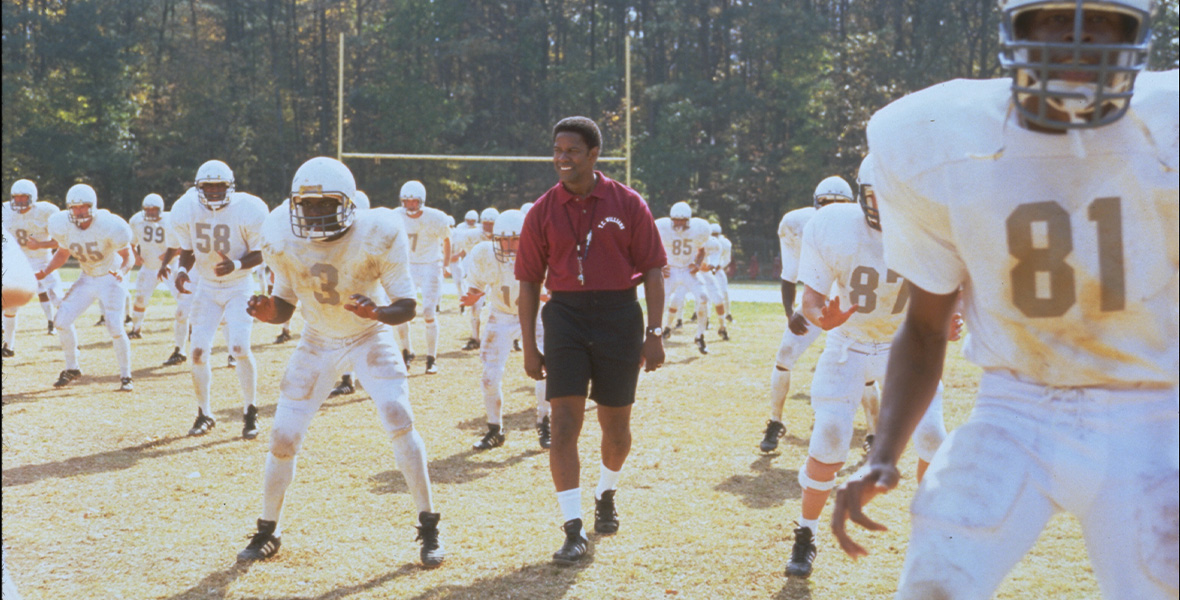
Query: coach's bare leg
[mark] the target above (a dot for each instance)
(565, 419)
(616, 435)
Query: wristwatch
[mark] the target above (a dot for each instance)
(656, 331)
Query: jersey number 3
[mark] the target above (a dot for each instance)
(1043, 261)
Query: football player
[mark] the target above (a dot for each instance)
(457, 232)
(492, 273)
(842, 253)
(101, 243)
(348, 270)
(150, 226)
(720, 271)
(709, 283)
(19, 281)
(28, 220)
(429, 233)
(217, 229)
(797, 336)
(684, 238)
(1064, 244)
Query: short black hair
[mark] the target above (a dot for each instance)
(581, 126)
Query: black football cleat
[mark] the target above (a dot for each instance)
(472, 344)
(516, 346)
(250, 423)
(729, 317)
(343, 388)
(700, 340)
(263, 544)
(134, 334)
(52, 329)
(774, 431)
(407, 356)
(66, 376)
(494, 438)
(723, 334)
(606, 520)
(432, 553)
(283, 337)
(543, 436)
(125, 385)
(7, 352)
(802, 554)
(102, 320)
(176, 358)
(431, 366)
(202, 425)
(231, 362)
(575, 547)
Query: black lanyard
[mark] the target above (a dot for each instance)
(582, 251)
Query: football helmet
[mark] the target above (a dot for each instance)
(524, 208)
(506, 234)
(1042, 69)
(361, 200)
(322, 205)
(681, 212)
(153, 207)
(471, 217)
(832, 189)
(715, 229)
(78, 196)
(866, 196)
(487, 218)
(214, 172)
(413, 197)
(23, 195)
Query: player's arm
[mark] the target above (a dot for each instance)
(227, 265)
(59, 258)
(135, 250)
(653, 295)
(270, 309)
(527, 306)
(696, 262)
(446, 250)
(400, 311)
(186, 262)
(128, 262)
(911, 380)
(35, 244)
(166, 258)
(821, 312)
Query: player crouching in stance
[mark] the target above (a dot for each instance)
(1064, 243)
(842, 252)
(27, 220)
(338, 264)
(101, 242)
(492, 269)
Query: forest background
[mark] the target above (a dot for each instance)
(740, 107)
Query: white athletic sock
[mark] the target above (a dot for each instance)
(123, 354)
(607, 480)
(248, 378)
(137, 318)
(69, 345)
(493, 401)
(202, 376)
(432, 338)
(9, 330)
(542, 404)
(409, 451)
(47, 308)
(812, 524)
(780, 384)
(570, 502)
(671, 319)
(702, 318)
(404, 338)
(275, 480)
(180, 332)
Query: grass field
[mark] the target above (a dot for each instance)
(104, 496)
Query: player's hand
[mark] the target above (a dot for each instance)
(118, 275)
(653, 352)
(362, 307)
(259, 307)
(667, 271)
(182, 282)
(534, 362)
(956, 331)
(138, 260)
(40, 275)
(797, 324)
(694, 269)
(163, 273)
(832, 317)
(225, 267)
(34, 244)
(446, 271)
(851, 498)
(471, 297)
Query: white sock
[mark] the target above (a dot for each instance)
(409, 451)
(542, 404)
(570, 502)
(493, 401)
(671, 319)
(275, 480)
(403, 337)
(248, 379)
(812, 524)
(47, 308)
(180, 333)
(9, 330)
(432, 338)
(607, 480)
(137, 318)
(702, 318)
(123, 354)
(69, 345)
(202, 376)
(780, 384)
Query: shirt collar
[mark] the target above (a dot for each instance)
(564, 196)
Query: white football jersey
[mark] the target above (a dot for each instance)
(151, 237)
(425, 233)
(371, 259)
(713, 252)
(96, 247)
(496, 279)
(840, 248)
(33, 224)
(681, 246)
(1065, 245)
(726, 251)
(464, 241)
(790, 240)
(457, 232)
(233, 231)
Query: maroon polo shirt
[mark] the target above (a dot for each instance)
(624, 244)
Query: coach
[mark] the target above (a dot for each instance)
(596, 240)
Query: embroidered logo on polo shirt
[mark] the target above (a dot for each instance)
(614, 220)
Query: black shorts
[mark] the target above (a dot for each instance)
(593, 342)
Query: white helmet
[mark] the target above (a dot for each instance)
(81, 195)
(23, 187)
(488, 215)
(715, 229)
(866, 196)
(153, 201)
(471, 216)
(413, 190)
(524, 208)
(680, 210)
(214, 171)
(322, 178)
(1036, 64)
(832, 189)
(361, 200)
(506, 229)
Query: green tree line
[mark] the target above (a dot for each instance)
(739, 106)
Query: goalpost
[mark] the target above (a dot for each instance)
(341, 154)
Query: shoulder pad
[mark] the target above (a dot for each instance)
(380, 229)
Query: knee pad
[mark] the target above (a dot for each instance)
(806, 482)
(490, 381)
(832, 435)
(428, 312)
(285, 444)
(115, 326)
(397, 418)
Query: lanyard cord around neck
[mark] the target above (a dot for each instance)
(582, 251)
